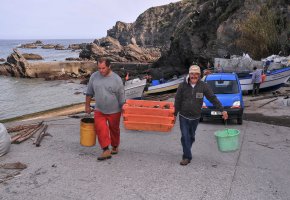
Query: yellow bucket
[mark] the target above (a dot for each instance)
(87, 133)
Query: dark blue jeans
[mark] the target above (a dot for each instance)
(188, 128)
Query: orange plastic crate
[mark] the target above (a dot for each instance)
(145, 107)
(148, 119)
(148, 126)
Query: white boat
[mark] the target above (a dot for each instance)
(274, 78)
(164, 87)
(134, 88)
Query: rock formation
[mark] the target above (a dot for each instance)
(32, 45)
(48, 46)
(197, 31)
(59, 47)
(32, 56)
(109, 47)
(16, 65)
(77, 46)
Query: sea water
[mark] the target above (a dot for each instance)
(19, 96)
(7, 46)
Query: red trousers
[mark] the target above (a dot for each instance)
(107, 128)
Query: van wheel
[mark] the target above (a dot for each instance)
(240, 119)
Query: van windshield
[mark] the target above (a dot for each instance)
(224, 86)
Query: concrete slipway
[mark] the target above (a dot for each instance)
(147, 166)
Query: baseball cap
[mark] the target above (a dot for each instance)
(194, 69)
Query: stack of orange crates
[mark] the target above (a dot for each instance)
(148, 115)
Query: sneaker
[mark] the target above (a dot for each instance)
(115, 150)
(105, 155)
(184, 161)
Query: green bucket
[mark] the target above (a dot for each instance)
(228, 139)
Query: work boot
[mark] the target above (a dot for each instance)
(115, 150)
(184, 161)
(105, 155)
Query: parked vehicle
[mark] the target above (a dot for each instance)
(227, 88)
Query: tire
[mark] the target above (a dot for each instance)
(240, 120)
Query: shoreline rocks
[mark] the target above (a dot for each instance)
(109, 47)
(18, 66)
(32, 56)
(40, 44)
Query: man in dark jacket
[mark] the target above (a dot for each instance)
(188, 103)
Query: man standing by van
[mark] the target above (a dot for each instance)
(108, 90)
(188, 103)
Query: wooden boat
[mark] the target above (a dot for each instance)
(274, 78)
(277, 73)
(171, 84)
(134, 88)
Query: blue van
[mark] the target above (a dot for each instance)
(227, 88)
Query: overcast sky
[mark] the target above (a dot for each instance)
(67, 19)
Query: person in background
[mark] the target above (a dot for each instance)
(188, 103)
(256, 80)
(108, 91)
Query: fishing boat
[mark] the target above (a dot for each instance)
(277, 70)
(169, 85)
(134, 88)
(274, 78)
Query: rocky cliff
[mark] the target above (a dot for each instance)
(111, 48)
(199, 30)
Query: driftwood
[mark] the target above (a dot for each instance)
(44, 127)
(26, 134)
(267, 103)
(22, 127)
(274, 94)
(9, 176)
(41, 136)
(17, 165)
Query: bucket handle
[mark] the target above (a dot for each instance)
(226, 126)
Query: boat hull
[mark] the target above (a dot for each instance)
(164, 87)
(275, 78)
(134, 88)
